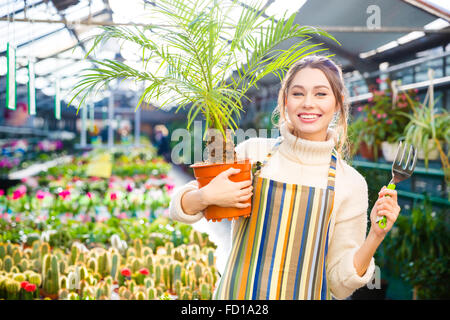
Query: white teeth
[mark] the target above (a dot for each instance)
(309, 116)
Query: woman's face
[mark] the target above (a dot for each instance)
(310, 104)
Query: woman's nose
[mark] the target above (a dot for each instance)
(308, 100)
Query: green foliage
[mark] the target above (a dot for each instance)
(197, 53)
(418, 248)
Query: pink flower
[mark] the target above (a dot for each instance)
(64, 194)
(40, 194)
(122, 215)
(384, 115)
(359, 109)
(129, 188)
(378, 80)
(89, 195)
(370, 99)
(169, 187)
(19, 192)
(2, 192)
(113, 196)
(389, 121)
(379, 116)
(126, 272)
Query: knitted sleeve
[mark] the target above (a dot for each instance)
(348, 236)
(176, 212)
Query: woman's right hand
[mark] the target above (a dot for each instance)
(223, 192)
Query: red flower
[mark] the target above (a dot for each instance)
(31, 287)
(113, 196)
(144, 271)
(23, 284)
(126, 272)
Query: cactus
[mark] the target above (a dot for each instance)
(198, 270)
(147, 251)
(151, 293)
(177, 272)
(92, 264)
(17, 256)
(140, 295)
(24, 265)
(157, 275)
(54, 287)
(35, 279)
(2, 251)
(73, 254)
(169, 248)
(63, 282)
(44, 249)
(149, 264)
(149, 283)
(178, 286)
(7, 263)
(211, 260)
(12, 289)
(103, 264)
(73, 296)
(135, 265)
(184, 277)
(36, 265)
(115, 260)
(166, 279)
(62, 267)
(19, 277)
(63, 294)
(205, 291)
(137, 244)
(185, 295)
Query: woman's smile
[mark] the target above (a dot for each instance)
(308, 117)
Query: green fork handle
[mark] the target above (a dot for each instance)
(382, 222)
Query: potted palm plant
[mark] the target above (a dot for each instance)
(205, 58)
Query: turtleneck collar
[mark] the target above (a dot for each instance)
(307, 151)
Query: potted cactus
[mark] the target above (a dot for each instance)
(204, 60)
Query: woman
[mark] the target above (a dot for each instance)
(306, 235)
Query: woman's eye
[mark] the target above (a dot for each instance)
(321, 94)
(297, 94)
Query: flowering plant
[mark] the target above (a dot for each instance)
(383, 117)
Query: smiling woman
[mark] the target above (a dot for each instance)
(306, 234)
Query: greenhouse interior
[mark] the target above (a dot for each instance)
(106, 105)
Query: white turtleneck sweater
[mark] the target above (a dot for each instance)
(306, 162)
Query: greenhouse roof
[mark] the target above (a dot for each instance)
(54, 32)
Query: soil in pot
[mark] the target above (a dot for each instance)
(204, 173)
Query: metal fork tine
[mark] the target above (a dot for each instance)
(409, 157)
(396, 161)
(413, 164)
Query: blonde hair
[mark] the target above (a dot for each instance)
(334, 75)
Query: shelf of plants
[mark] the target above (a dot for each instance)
(68, 235)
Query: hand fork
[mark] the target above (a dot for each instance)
(402, 169)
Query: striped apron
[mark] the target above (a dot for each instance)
(280, 251)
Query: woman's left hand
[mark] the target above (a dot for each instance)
(385, 206)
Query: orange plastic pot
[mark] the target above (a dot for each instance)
(204, 173)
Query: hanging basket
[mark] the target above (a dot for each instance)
(204, 173)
